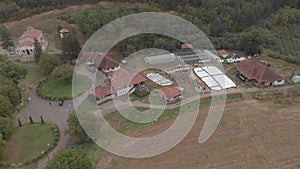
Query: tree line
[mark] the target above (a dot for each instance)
(10, 98)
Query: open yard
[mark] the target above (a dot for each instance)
(34, 73)
(57, 88)
(28, 142)
(251, 134)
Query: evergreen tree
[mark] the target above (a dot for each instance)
(30, 119)
(42, 120)
(37, 51)
(70, 46)
(19, 121)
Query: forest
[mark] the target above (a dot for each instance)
(10, 98)
(252, 26)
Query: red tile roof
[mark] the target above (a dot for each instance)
(103, 91)
(121, 73)
(186, 46)
(31, 33)
(223, 52)
(170, 92)
(258, 71)
(64, 30)
(28, 43)
(129, 80)
(108, 63)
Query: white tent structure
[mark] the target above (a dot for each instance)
(214, 78)
(159, 79)
(296, 79)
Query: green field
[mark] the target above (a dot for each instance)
(28, 142)
(57, 88)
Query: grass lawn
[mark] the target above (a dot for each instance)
(27, 142)
(57, 88)
(296, 89)
(34, 73)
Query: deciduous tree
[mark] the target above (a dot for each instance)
(69, 159)
(63, 73)
(48, 63)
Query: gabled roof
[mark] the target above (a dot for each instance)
(31, 33)
(63, 30)
(258, 71)
(103, 91)
(170, 92)
(28, 43)
(223, 52)
(103, 60)
(108, 63)
(123, 79)
(186, 46)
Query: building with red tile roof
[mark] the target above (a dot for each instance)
(186, 46)
(260, 73)
(63, 32)
(170, 93)
(108, 64)
(26, 42)
(103, 91)
(223, 53)
(120, 84)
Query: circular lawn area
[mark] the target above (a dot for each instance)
(28, 142)
(57, 88)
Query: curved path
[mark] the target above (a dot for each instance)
(53, 113)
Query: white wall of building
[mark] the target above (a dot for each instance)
(277, 83)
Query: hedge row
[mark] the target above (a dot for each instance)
(49, 97)
(141, 93)
(56, 133)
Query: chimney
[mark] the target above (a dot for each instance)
(29, 28)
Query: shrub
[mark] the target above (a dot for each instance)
(19, 121)
(30, 119)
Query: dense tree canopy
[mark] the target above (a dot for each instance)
(10, 90)
(69, 159)
(6, 108)
(64, 73)
(74, 128)
(12, 71)
(6, 127)
(2, 145)
(70, 46)
(48, 63)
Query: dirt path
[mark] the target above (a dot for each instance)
(109, 107)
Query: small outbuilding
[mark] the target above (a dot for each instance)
(63, 32)
(170, 94)
(223, 53)
(296, 79)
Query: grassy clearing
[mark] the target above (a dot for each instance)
(28, 142)
(33, 71)
(295, 90)
(57, 88)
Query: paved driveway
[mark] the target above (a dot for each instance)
(53, 113)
